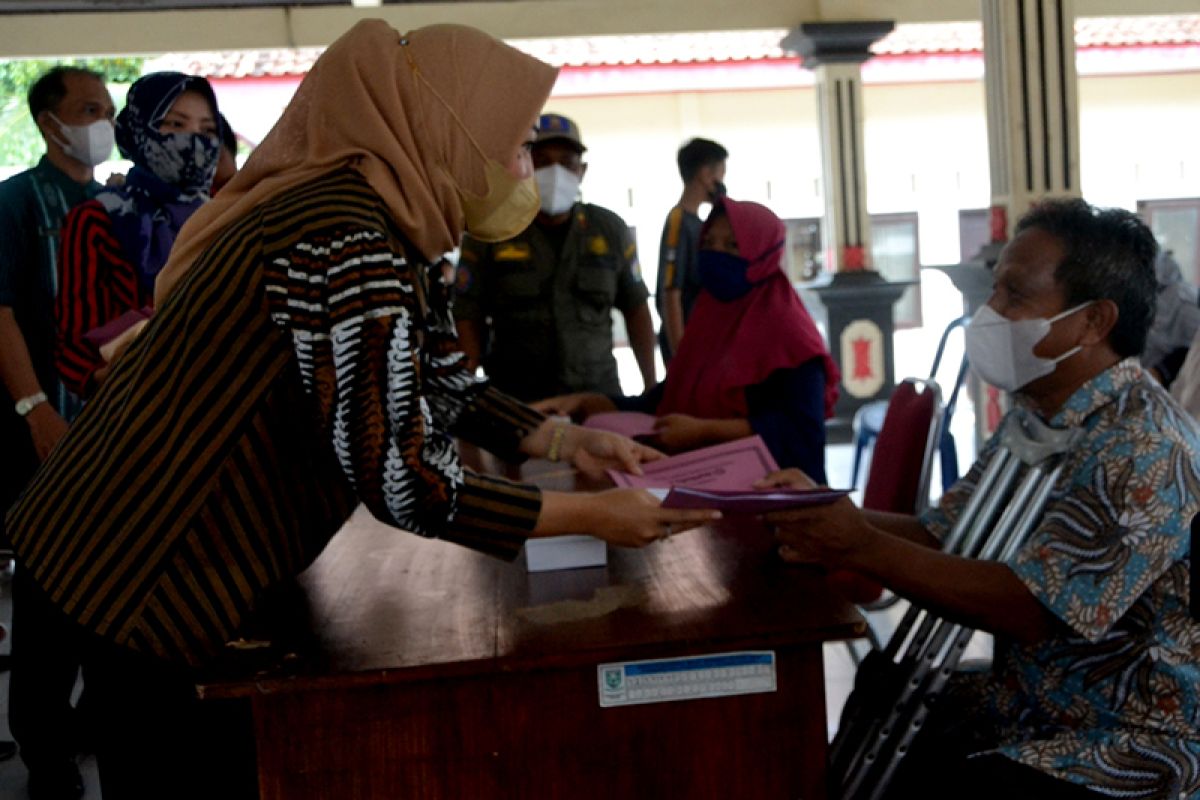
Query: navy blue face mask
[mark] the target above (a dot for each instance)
(723, 274)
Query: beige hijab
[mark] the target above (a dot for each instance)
(417, 115)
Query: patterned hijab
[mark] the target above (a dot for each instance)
(171, 172)
(730, 346)
(418, 115)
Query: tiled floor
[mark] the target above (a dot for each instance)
(839, 669)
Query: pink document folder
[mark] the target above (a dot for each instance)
(627, 423)
(759, 502)
(732, 466)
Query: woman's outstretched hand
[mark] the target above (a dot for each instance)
(624, 517)
(594, 451)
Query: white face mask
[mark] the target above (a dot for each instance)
(1000, 350)
(88, 144)
(558, 187)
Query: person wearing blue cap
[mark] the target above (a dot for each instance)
(536, 310)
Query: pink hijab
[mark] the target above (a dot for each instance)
(728, 347)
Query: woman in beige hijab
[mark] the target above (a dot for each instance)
(303, 361)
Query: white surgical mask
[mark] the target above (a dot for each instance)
(558, 187)
(1000, 350)
(88, 144)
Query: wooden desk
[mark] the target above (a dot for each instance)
(430, 671)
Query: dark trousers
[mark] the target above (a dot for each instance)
(46, 655)
(154, 737)
(159, 740)
(983, 777)
(941, 765)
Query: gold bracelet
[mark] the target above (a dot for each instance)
(556, 440)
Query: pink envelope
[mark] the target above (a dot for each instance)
(732, 466)
(750, 502)
(627, 423)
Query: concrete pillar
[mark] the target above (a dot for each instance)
(835, 52)
(1033, 140)
(1032, 105)
(858, 299)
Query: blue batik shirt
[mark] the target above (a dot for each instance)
(1112, 701)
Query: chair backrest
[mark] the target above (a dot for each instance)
(946, 446)
(902, 463)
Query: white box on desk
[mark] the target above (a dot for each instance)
(565, 552)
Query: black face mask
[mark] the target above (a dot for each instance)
(716, 192)
(723, 275)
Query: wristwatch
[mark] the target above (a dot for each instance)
(27, 404)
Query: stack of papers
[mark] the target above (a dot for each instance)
(565, 552)
(722, 478)
(729, 467)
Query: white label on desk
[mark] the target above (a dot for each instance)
(666, 679)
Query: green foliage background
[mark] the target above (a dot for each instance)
(20, 143)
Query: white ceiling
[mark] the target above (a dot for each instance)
(28, 29)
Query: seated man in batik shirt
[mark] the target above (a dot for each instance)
(1095, 685)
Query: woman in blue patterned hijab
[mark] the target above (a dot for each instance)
(115, 246)
(170, 130)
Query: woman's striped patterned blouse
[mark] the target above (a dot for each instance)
(96, 284)
(303, 366)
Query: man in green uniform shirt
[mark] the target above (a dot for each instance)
(536, 310)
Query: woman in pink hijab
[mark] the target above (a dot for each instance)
(751, 360)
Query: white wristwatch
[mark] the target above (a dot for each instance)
(27, 404)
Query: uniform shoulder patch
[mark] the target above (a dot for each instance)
(463, 279)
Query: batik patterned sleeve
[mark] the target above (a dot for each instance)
(498, 423)
(96, 286)
(1118, 525)
(462, 402)
(352, 304)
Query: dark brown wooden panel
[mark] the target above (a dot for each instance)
(542, 734)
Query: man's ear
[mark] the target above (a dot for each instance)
(45, 123)
(582, 170)
(1101, 317)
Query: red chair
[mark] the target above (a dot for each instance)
(901, 467)
(868, 420)
(902, 463)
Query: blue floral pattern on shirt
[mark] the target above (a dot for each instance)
(1113, 701)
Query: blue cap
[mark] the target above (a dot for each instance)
(556, 127)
